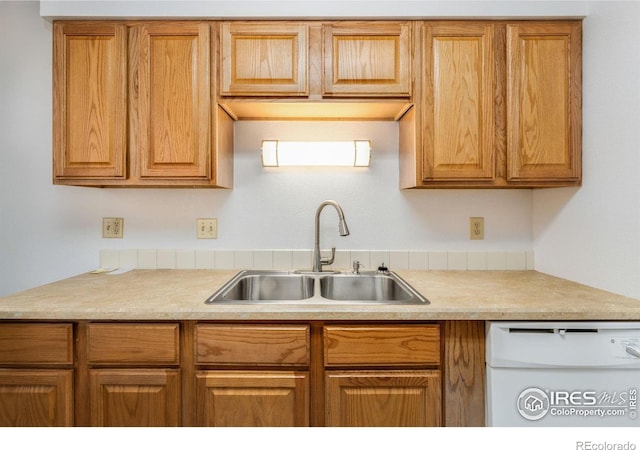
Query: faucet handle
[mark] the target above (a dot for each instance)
(356, 267)
(328, 261)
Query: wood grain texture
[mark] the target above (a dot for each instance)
(367, 59)
(464, 373)
(36, 398)
(36, 343)
(174, 94)
(383, 398)
(264, 58)
(252, 398)
(282, 345)
(135, 397)
(459, 100)
(133, 344)
(544, 101)
(89, 100)
(381, 345)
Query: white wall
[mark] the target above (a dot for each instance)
(50, 232)
(591, 234)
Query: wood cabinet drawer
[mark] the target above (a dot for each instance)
(36, 343)
(381, 345)
(282, 345)
(133, 344)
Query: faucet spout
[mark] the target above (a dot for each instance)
(343, 229)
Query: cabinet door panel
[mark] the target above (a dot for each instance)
(252, 399)
(133, 344)
(89, 100)
(135, 397)
(264, 59)
(458, 111)
(383, 398)
(36, 398)
(282, 345)
(367, 59)
(543, 101)
(175, 101)
(381, 345)
(36, 343)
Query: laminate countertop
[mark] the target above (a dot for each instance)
(175, 294)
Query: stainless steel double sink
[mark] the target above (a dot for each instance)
(282, 287)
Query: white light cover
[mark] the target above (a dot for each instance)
(334, 153)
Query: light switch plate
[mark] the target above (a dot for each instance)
(112, 227)
(207, 228)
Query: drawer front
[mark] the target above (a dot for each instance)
(133, 344)
(36, 343)
(381, 345)
(281, 345)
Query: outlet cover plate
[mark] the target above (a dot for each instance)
(112, 227)
(476, 228)
(207, 228)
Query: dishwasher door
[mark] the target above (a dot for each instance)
(563, 374)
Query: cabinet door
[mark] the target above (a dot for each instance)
(252, 398)
(264, 59)
(544, 101)
(174, 101)
(458, 102)
(383, 398)
(89, 100)
(36, 398)
(367, 59)
(135, 397)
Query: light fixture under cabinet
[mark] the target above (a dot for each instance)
(334, 153)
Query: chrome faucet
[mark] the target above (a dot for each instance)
(318, 261)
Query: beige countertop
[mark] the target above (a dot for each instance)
(454, 295)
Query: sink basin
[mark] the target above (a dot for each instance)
(265, 287)
(260, 286)
(366, 288)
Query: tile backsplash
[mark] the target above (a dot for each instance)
(302, 259)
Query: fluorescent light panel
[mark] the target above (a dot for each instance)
(334, 153)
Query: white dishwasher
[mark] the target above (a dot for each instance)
(567, 374)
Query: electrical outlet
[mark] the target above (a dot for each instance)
(207, 228)
(112, 227)
(476, 228)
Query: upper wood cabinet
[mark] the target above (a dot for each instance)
(366, 59)
(89, 100)
(544, 102)
(134, 105)
(264, 59)
(458, 98)
(283, 70)
(174, 100)
(498, 104)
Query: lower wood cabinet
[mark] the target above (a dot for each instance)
(189, 373)
(36, 374)
(36, 398)
(134, 376)
(382, 375)
(135, 397)
(252, 398)
(383, 398)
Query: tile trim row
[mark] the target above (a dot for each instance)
(302, 259)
